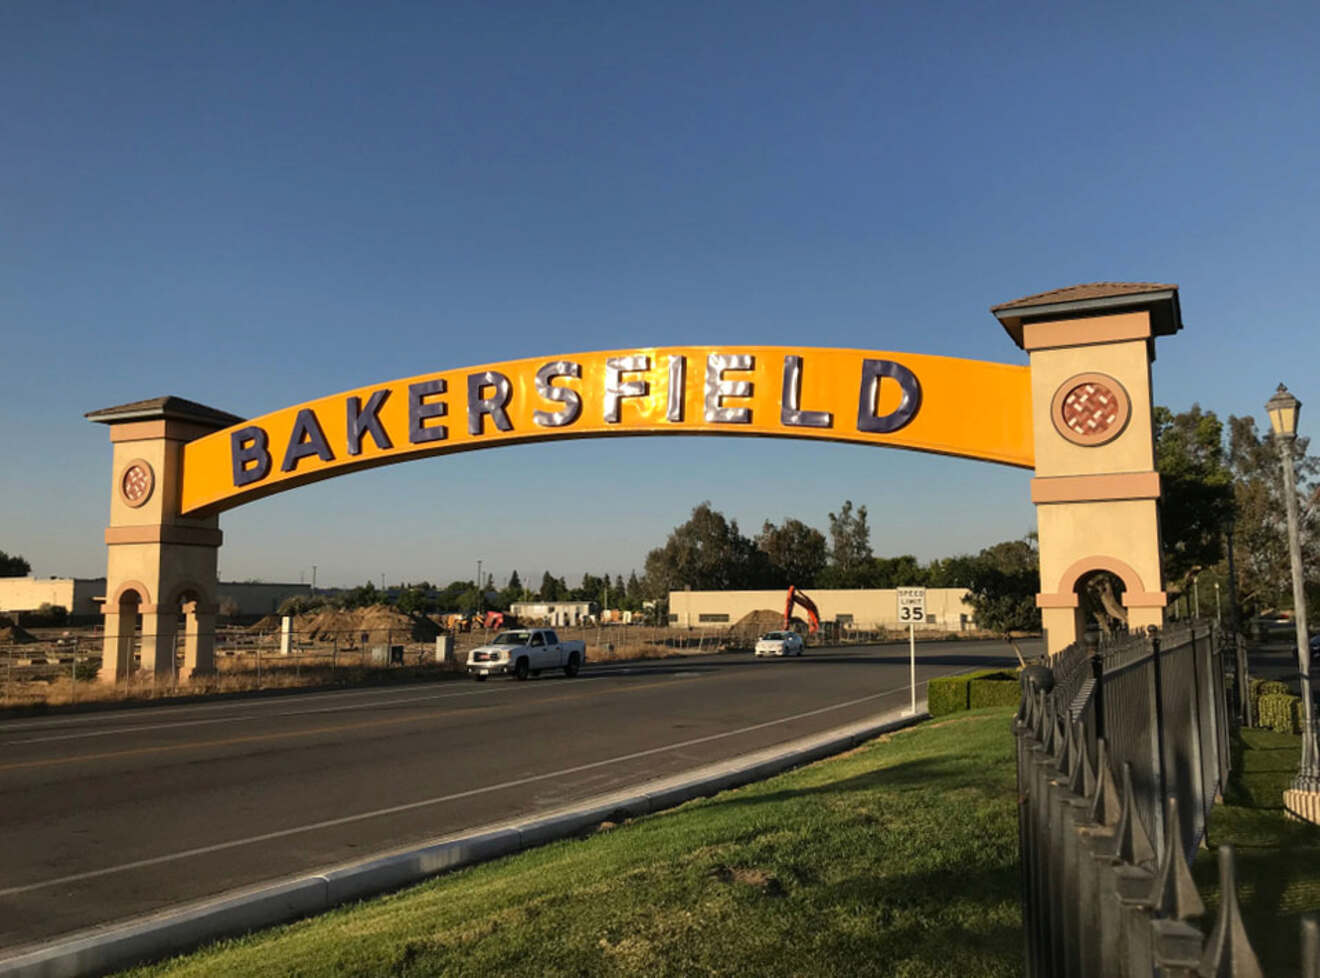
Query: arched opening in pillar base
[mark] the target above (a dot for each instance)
(123, 629)
(1100, 607)
(196, 624)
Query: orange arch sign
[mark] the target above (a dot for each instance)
(951, 406)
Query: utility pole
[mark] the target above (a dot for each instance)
(313, 578)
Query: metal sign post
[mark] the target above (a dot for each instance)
(912, 609)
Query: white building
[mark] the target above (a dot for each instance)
(558, 614)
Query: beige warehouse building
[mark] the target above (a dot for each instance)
(82, 596)
(946, 607)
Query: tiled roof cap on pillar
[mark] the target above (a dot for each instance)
(168, 408)
(1094, 299)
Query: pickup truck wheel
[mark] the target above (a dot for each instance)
(574, 665)
(522, 669)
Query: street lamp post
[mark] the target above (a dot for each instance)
(1283, 409)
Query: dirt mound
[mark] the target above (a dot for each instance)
(12, 634)
(754, 624)
(380, 623)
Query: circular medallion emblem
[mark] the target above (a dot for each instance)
(137, 482)
(1090, 409)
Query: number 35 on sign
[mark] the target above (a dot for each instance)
(911, 605)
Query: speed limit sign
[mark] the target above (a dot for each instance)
(911, 605)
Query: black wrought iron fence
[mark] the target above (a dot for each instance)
(1122, 748)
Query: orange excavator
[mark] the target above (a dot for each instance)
(797, 597)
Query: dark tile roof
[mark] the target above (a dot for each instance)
(176, 408)
(1094, 299)
(1088, 290)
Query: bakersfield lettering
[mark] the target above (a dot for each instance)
(727, 380)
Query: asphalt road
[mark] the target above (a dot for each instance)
(109, 815)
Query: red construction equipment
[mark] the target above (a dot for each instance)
(797, 597)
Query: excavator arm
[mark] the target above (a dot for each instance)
(797, 597)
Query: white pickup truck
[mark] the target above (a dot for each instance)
(525, 652)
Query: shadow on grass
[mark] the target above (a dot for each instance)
(907, 775)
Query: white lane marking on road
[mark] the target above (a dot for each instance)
(439, 800)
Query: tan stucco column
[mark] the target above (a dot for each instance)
(1096, 489)
(117, 647)
(156, 558)
(159, 643)
(198, 640)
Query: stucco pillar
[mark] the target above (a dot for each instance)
(198, 640)
(156, 556)
(117, 645)
(159, 643)
(1096, 489)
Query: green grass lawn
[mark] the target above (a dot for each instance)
(1278, 859)
(899, 858)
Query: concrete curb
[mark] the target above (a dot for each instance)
(117, 946)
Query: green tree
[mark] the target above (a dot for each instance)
(447, 599)
(885, 572)
(552, 588)
(850, 546)
(957, 571)
(1004, 582)
(592, 588)
(796, 552)
(415, 601)
(1260, 527)
(360, 597)
(14, 566)
(1197, 491)
(707, 553)
(515, 583)
(633, 596)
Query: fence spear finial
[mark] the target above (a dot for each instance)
(1174, 894)
(1038, 716)
(1082, 781)
(1133, 843)
(1228, 952)
(1106, 806)
(1064, 746)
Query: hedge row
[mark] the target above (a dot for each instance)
(973, 690)
(1281, 712)
(1257, 688)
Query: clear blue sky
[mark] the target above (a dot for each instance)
(254, 204)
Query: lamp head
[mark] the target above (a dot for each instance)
(1283, 409)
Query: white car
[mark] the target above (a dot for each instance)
(779, 643)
